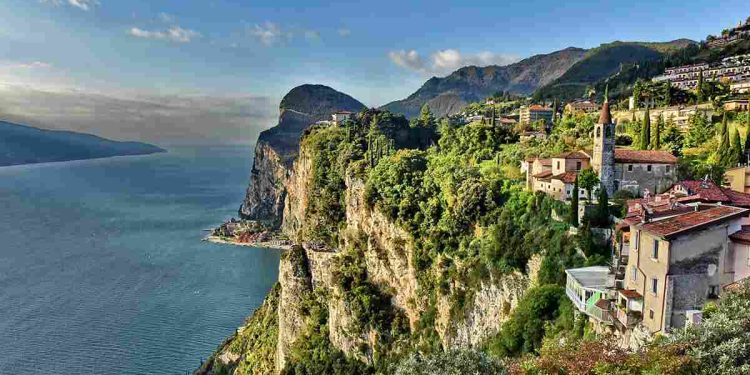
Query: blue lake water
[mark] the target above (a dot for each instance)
(102, 267)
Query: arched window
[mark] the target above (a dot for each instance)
(607, 132)
(598, 132)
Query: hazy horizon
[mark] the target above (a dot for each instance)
(215, 71)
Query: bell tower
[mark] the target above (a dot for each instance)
(603, 160)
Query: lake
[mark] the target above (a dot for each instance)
(102, 267)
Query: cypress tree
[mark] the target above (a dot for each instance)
(645, 131)
(574, 205)
(699, 89)
(724, 151)
(603, 207)
(656, 142)
(746, 155)
(736, 149)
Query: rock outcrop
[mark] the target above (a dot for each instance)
(277, 148)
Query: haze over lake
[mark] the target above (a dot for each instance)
(102, 267)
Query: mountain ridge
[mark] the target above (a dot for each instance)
(23, 144)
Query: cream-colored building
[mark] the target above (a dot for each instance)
(738, 179)
(677, 264)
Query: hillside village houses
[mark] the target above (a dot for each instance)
(618, 169)
(535, 112)
(676, 248)
(581, 105)
(733, 69)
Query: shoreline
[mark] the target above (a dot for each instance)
(262, 245)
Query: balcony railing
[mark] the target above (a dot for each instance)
(627, 318)
(603, 316)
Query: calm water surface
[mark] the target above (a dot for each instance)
(102, 269)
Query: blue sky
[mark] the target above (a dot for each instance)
(377, 51)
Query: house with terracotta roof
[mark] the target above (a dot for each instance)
(618, 169)
(706, 191)
(677, 257)
(678, 263)
(535, 112)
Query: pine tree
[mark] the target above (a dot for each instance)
(645, 131)
(574, 205)
(656, 142)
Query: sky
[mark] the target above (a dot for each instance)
(215, 70)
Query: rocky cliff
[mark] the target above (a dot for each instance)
(311, 289)
(278, 146)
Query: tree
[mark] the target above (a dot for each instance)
(588, 180)
(645, 131)
(656, 141)
(746, 156)
(450, 362)
(672, 137)
(701, 130)
(736, 152)
(602, 209)
(574, 205)
(699, 87)
(425, 116)
(724, 151)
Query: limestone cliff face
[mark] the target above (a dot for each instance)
(387, 257)
(278, 146)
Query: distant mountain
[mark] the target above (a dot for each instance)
(469, 84)
(20, 144)
(301, 107)
(606, 61)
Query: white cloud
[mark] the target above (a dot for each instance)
(269, 33)
(24, 65)
(344, 32)
(446, 61)
(173, 34)
(407, 59)
(80, 4)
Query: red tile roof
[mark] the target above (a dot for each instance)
(602, 304)
(545, 162)
(567, 177)
(572, 155)
(543, 174)
(670, 227)
(706, 191)
(644, 156)
(630, 294)
(537, 107)
(737, 198)
(742, 236)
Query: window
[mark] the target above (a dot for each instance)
(598, 132)
(655, 250)
(654, 285)
(648, 168)
(650, 314)
(578, 165)
(558, 164)
(669, 168)
(633, 273)
(630, 167)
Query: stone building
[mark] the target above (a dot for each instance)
(619, 169)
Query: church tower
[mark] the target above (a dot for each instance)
(603, 160)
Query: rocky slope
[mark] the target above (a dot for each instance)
(447, 95)
(277, 147)
(310, 290)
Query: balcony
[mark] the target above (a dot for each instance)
(627, 318)
(600, 311)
